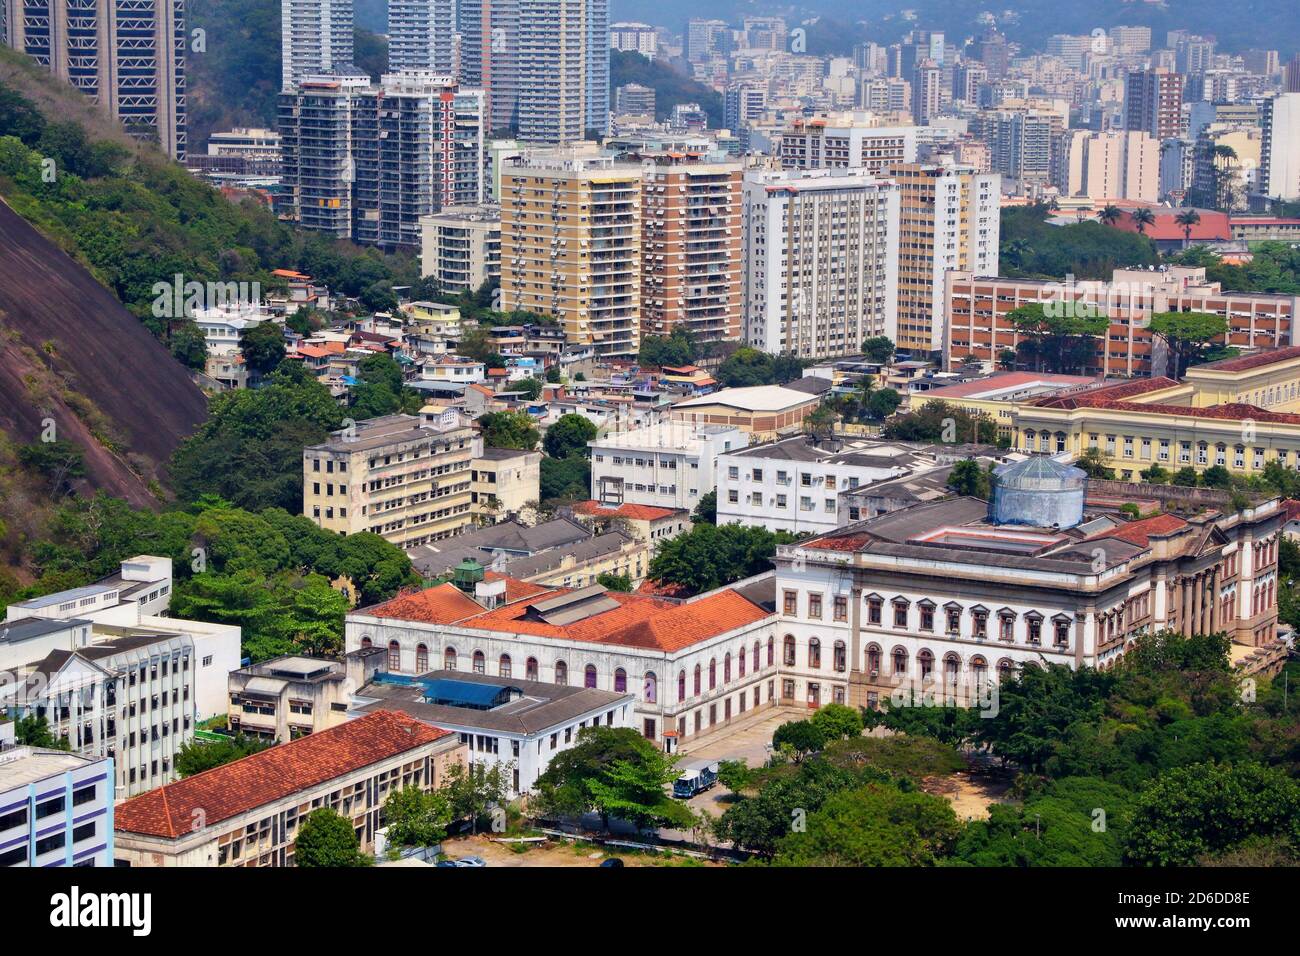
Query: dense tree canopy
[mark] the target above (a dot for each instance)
(710, 556)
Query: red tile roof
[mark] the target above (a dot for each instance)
(236, 788)
(1140, 532)
(441, 604)
(1213, 226)
(1242, 363)
(627, 510)
(654, 588)
(843, 542)
(1103, 397)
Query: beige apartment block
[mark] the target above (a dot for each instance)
(691, 249)
(505, 482)
(571, 247)
(948, 219)
(1118, 164)
(407, 478)
(460, 246)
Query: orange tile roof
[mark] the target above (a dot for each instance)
(627, 510)
(1140, 532)
(1242, 363)
(655, 588)
(843, 542)
(517, 590)
(243, 785)
(441, 604)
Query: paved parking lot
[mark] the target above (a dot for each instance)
(747, 740)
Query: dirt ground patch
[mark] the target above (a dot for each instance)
(559, 853)
(970, 793)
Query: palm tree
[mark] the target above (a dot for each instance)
(1187, 219)
(1142, 218)
(1110, 215)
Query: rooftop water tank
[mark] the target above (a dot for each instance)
(1040, 492)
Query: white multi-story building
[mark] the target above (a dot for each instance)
(632, 37)
(846, 141)
(460, 246)
(1279, 166)
(519, 725)
(821, 260)
(668, 464)
(56, 808)
(114, 677)
(794, 484)
(315, 38)
(691, 666)
(939, 598)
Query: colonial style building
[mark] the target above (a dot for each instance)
(945, 598)
(692, 665)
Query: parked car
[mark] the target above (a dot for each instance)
(464, 861)
(613, 861)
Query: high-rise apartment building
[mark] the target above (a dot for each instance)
(403, 477)
(571, 246)
(743, 103)
(461, 247)
(948, 219)
(1119, 164)
(843, 140)
(1279, 167)
(691, 249)
(705, 37)
(632, 37)
(927, 91)
(422, 35)
(1153, 102)
(1020, 141)
(634, 99)
(821, 260)
(315, 38)
(317, 120)
(366, 161)
(563, 70)
(126, 55)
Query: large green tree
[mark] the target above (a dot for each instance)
(326, 839)
(711, 556)
(616, 773)
(569, 436)
(1187, 335)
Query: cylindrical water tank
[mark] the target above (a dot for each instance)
(1040, 492)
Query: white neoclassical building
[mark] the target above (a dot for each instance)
(938, 598)
(693, 666)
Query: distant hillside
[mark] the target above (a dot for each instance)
(670, 85)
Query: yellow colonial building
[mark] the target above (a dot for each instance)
(1239, 413)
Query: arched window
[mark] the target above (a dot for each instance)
(789, 650)
(1004, 669)
(873, 660)
(925, 661)
(530, 668)
(900, 660)
(979, 669)
(449, 659)
(757, 664)
(503, 666)
(589, 676)
(480, 663)
(366, 642)
(394, 656)
(814, 653)
(713, 672)
(681, 686)
(620, 680)
(740, 662)
(726, 668)
(696, 685)
(651, 687)
(561, 673)
(771, 651)
(841, 656)
(951, 668)
(421, 658)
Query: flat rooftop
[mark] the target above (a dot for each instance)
(27, 765)
(528, 707)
